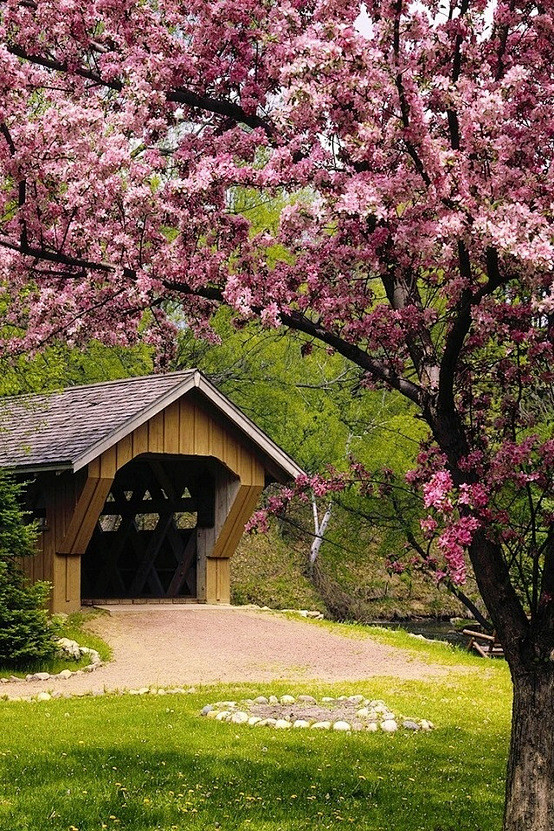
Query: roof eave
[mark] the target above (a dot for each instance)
(277, 457)
(124, 430)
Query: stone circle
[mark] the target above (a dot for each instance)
(345, 714)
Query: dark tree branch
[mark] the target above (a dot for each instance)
(378, 370)
(462, 321)
(22, 186)
(452, 115)
(179, 95)
(404, 106)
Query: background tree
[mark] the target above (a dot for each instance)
(415, 151)
(26, 635)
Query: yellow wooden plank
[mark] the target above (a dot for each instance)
(108, 463)
(245, 463)
(171, 428)
(186, 428)
(78, 515)
(223, 581)
(233, 527)
(231, 454)
(73, 582)
(140, 440)
(211, 580)
(90, 518)
(93, 468)
(246, 511)
(124, 451)
(217, 447)
(156, 434)
(201, 433)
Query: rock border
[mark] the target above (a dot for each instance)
(97, 692)
(66, 648)
(353, 713)
(310, 614)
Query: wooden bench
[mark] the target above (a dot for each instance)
(488, 646)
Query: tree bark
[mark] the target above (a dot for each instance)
(530, 779)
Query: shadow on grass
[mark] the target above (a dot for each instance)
(143, 767)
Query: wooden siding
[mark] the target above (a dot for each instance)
(75, 501)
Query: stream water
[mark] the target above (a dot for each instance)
(434, 630)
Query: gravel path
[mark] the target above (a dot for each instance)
(205, 645)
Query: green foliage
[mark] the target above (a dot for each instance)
(312, 403)
(267, 570)
(61, 366)
(157, 765)
(26, 635)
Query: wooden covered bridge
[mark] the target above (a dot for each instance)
(142, 487)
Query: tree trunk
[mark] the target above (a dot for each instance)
(530, 779)
(319, 532)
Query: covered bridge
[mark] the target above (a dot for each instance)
(142, 487)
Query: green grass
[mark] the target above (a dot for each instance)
(152, 764)
(72, 627)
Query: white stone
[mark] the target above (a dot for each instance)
(321, 725)
(426, 725)
(42, 676)
(288, 699)
(363, 713)
(327, 699)
(212, 713)
(282, 724)
(273, 699)
(356, 699)
(65, 673)
(222, 715)
(239, 718)
(143, 691)
(161, 692)
(372, 727)
(253, 720)
(301, 722)
(342, 726)
(44, 696)
(261, 699)
(389, 725)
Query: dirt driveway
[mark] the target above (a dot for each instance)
(186, 645)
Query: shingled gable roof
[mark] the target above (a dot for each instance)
(68, 429)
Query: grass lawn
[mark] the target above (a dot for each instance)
(145, 763)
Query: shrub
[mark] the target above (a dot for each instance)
(26, 635)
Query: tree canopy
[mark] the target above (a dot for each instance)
(412, 151)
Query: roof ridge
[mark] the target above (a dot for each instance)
(116, 381)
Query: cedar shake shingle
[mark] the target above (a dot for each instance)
(58, 428)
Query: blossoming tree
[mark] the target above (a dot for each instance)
(414, 153)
